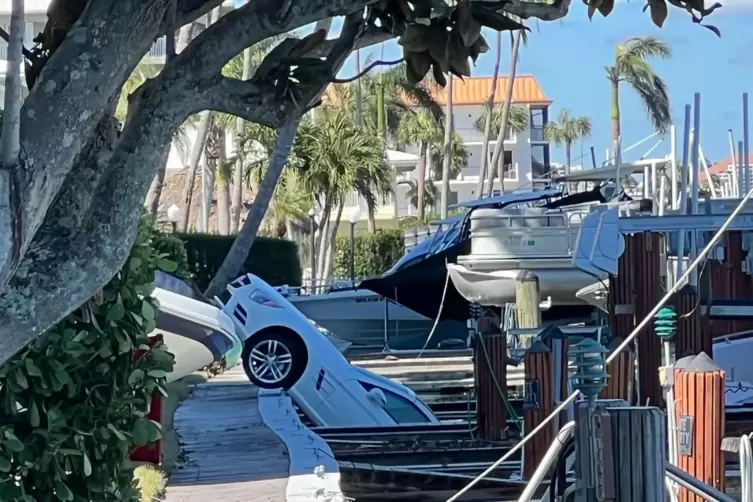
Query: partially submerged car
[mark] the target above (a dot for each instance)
(285, 350)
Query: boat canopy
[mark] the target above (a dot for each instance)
(611, 172)
(517, 197)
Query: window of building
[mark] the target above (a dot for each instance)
(538, 121)
(540, 165)
(511, 172)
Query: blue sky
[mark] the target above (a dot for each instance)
(568, 58)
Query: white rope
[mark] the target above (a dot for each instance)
(701, 257)
(439, 313)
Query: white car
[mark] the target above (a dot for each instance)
(284, 350)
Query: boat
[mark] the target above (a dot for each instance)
(399, 308)
(534, 230)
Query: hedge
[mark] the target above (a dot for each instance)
(73, 404)
(274, 260)
(374, 253)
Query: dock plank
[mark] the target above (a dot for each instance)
(228, 453)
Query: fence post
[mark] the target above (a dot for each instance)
(490, 363)
(620, 384)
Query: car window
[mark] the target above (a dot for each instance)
(399, 408)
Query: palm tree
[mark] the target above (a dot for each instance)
(487, 129)
(447, 151)
(499, 147)
(517, 120)
(567, 130)
(458, 155)
(430, 196)
(631, 66)
(419, 128)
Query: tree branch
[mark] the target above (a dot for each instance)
(254, 22)
(367, 70)
(83, 75)
(5, 36)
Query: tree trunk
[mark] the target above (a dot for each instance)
(371, 223)
(331, 243)
(198, 147)
(10, 146)
(223, 189)
(211, 164)
(421, 183)
(236, 205)
(234, 260)
(381, 126)
(447, 151)
(568, 149)
(488, 122)
(324, 227)
(184, 37)
(155, 192)
(615, 113)
(499, 148)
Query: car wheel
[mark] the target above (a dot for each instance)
(274, 360)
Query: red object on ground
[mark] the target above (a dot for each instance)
(151, 453)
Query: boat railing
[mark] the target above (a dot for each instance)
(510, 236)
(327, 286)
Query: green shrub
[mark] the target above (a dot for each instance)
(173, 246)
(374, 253)
(73, 404)
(274, 260)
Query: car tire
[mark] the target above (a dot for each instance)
(274, 360)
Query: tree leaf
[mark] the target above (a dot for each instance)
(169, 265)
(658, 12)
(136, 377)
(416, 38)
(147, 311)
(4, 464)
(21, 379)
(62, 491)
(31, 367)
(116, 312)
(140, 433)
(87, 466)
(157, 373)
(115, 431)
(134, 264)
(12, 442)
(34, 415)
(469, 28)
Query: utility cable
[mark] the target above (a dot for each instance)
(646, 320)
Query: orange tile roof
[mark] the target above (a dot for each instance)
(476, 91)
(721, 167)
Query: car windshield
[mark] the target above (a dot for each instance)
(402, 410)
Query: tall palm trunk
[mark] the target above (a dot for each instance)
(499, 148)
(202, 129)
(615, 111)
(447, 151)
(245, 239)
(211, 163)
(488, 123)
(223, 189)
(236, 204)
(331, 243)
(421, 183)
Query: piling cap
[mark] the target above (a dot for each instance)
(527, 276)
(538, 347)
(685, 362)
(703, 363)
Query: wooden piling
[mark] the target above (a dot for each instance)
(693, 334)
(538, 403)
(621, 381)
(527, 299)
(491, 412)
(645, 265)
(699, 387)
(730, 280)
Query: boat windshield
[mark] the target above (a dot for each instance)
(438, 242)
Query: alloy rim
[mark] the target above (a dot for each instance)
(270, 361)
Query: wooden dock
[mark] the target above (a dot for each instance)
(227, 452)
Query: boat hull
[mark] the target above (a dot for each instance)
(361, 317)
(497, 288)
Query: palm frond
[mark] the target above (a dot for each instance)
(568, 128)
(517, 121)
